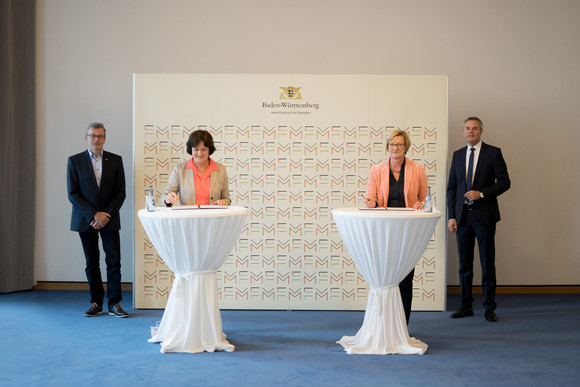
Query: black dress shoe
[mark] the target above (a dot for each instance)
(490, 316)
(117, 311)
(94, 310)
(462, 312)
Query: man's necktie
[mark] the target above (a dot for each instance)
(469, 174)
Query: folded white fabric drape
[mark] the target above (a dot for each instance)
(194, 244)
(385, 246)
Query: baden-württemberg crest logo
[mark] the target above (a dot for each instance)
(291, 92)
(288, 103)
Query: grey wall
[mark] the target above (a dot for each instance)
(514, 63)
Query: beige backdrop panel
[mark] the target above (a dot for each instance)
(292, 155)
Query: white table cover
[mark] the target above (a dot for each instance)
(194, 244)
(385, 246)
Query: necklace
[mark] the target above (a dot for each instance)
(393, 170)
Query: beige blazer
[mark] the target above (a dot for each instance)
(181, 182)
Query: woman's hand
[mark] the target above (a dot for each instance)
(418, 205)
(220, 202)
(370, 203)
(171, 198)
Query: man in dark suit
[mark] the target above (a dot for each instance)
(96, 189)
(478, 175)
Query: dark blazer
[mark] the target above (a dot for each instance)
(87, 198)
(491, 177)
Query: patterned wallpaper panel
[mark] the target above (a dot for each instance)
(290, 254)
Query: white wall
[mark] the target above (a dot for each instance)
(513, 63)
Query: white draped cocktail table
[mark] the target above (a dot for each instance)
(194, 244)
(385, 246)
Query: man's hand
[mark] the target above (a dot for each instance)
(452, 225)
(100, 220)
(472, 195)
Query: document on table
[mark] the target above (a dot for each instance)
(387, 209)
(200, 207)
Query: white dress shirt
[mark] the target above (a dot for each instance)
(476, 153)
(97, 166)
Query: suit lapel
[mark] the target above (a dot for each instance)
(479, 161)
(90, 170)
(106, 168)
(385, 176)
(463, 168)
(212, 183)
(188, 182)
(408, 178)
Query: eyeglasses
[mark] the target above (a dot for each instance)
(396, 145)
(95, 136)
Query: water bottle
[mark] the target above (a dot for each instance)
(150, 200)
(428, 207)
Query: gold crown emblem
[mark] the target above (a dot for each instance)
(291, 92)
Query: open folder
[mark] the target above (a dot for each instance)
(200, 207)
(387, 209)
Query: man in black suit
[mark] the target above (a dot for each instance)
(96, 189)
(478, 175)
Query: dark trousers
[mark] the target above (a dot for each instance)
(468, 231)
(112, 247)
(406, 289)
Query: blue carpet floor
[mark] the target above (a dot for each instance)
(46, 340)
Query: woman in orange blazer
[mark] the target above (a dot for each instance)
(398, 182)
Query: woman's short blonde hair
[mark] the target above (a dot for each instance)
(397, 133)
